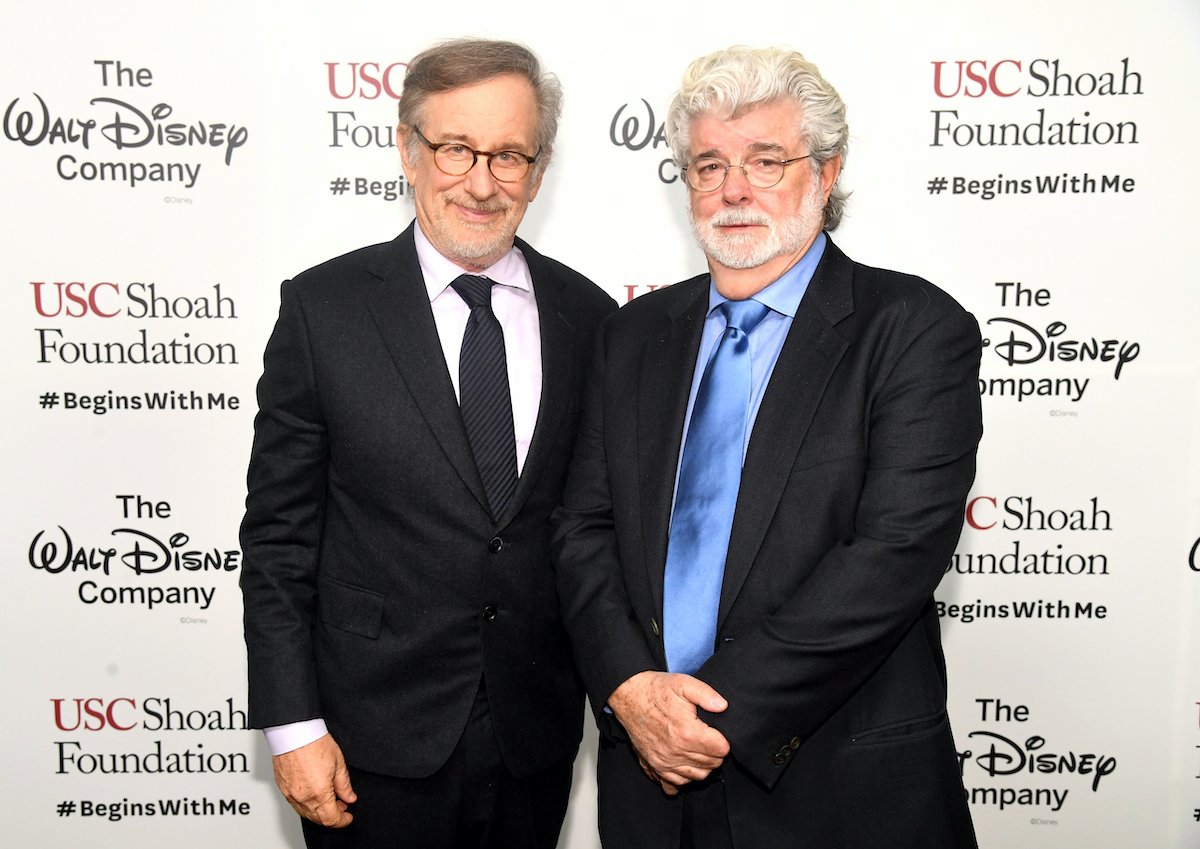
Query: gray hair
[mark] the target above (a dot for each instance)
(463, 62)
(731, 82)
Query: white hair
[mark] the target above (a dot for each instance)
(731, 82)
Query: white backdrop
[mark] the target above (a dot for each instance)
(164, 169)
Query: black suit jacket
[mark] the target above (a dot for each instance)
(850, 506)
(377, 587)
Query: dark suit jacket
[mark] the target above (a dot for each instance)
(850, 506)
(377, 587)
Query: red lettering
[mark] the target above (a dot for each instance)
(631, 289)
(975, 69)
(971, 520)
(333, 90)
(979, 79)
(92, 299)
(58, 717)
(937, 80)
(995, 87)
(367, 80)
(37, 298)
(112, 722)
(94, 708)
(74, 299)
(387, 78)
(93, 714)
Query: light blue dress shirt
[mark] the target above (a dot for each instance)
(766, 341)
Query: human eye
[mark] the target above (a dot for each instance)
(456, 151)
(765, 164)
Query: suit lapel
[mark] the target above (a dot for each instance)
(668, 362)
(401, 311)
(558, 336)
(807, 361)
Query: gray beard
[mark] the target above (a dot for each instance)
(748, 251)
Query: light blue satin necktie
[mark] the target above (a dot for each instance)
(705, 497)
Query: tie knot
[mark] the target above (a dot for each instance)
(744, 315)
(474, 289)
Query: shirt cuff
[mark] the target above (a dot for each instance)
(286, 738)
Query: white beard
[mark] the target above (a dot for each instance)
(749, 250)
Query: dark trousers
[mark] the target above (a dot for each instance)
(472, 802)
(634, 812)
(705, 815)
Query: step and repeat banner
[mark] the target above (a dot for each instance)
(165, 169)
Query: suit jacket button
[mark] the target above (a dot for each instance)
(495, 544)
(794, 743)
(654, 627)
(779, 758)
(489, 612)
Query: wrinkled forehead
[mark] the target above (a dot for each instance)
(493, 114)
(772, 126)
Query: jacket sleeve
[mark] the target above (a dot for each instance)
(281, 531)
(607, 641)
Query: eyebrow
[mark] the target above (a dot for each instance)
(754, 147)
(465, 139)
(767, 147)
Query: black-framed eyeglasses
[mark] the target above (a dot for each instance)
(456, 159)
(707, 174)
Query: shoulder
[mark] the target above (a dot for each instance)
(579, 293)
(881, 293)
(345, 270)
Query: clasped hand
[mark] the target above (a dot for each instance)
(658, 712)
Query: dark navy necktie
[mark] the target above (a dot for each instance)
(709, 475)
(483, 394)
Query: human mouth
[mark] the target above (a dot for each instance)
(474, 211)
(738, 221)
(476, 215)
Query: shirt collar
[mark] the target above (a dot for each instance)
(439, 272)
(783, 295)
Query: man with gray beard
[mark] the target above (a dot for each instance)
(772, 468)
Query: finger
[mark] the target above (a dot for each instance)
(341, 783)
(682, 775)
(711, 743)
(701, 694)
(691, 760)
(330, 815)
(696, 742)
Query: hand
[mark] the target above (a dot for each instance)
(316, 783)
(658, 711)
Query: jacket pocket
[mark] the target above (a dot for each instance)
(908, 730)
(350, 608)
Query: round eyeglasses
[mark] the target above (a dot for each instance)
(707, 174)
(456, 159)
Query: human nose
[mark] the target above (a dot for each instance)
(736, 188)
(480, 183)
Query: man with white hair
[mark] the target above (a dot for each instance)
(771, 474)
